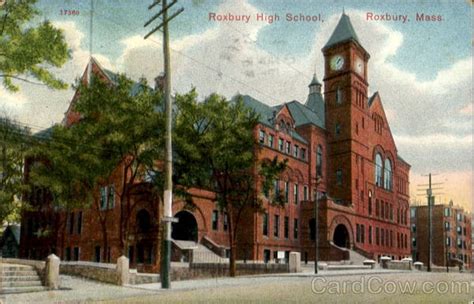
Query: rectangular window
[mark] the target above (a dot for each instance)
(276, 226)
(103, 198)
(215, 219)
(382, 209)
(226, 221)
(391, 212)
(391, 238)
(76, 253)
(382, 237)
(288, 147)
(296, 151)
(305, 193)
(370, 203)
(280, 144)
(413, 242)
(276, 186)
(296, 193)
(261, 136)
(97, 254)
(79, 222)
(339, 177)
(303, 154)
(447, 226)
(71, 223)
(377, 232)
(413, 228)
(447, 212)
(362, 234)
(386, 210)
(386, 237)
(413, 212)
(295, 229)
(270, 140)
(111, 197)
(370, 234)
(287, 227)
(68, 254)
(287, 192)
(377, 207)
(265, 224)
(357, 233)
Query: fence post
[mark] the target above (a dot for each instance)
(52, 272)
(122, 270)
(295, 262)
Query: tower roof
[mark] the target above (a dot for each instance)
(344, 32)
(315, 81)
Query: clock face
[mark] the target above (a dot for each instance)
(337, 62)
(359, 66)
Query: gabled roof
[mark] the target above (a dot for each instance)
(265, 112)
(372, 98)
(304, 115)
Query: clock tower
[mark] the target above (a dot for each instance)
(345, 93)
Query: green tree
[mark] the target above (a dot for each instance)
(122, 119)
(216, 149)
(13, 145)
(28, 49)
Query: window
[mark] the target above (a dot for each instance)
(296, 193)
(338, 95)
(362, 234)
(413, 228)
(312, 229)
(215, 219)
(305, 193)
(339, 177)
(370, 202)
(103, 198)
(382, 237)
(388, 174)
(261, 136)
(288, 147)
(107, 197)
(111, 197)
(447, 226)
(97, 254)
(286, 231)
(386, 210)
(226, 221)
(319, 161)
(76, 253)
(280, 144)
(79, 222)
(382, 209)
(68, 254)
(377, 232)
(337, 129)
(296, 151)
(295, 229)
(270, 140)
(459, 230)
(303, 154)
(287, 191)
(378, 169)
(276, 226)
(377, 207)
(413, 212)
(265, 224)
(71, 223)
(370, 234)
(357, 233)
(413, 242)
(276, 186)
(447, 212)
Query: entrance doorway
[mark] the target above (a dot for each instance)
(341, 236)
(186, 227)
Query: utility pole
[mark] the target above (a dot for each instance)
(168, 192)
(316, 226)
(430, 224)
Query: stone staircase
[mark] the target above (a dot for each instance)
(201, 254)
(19, 278)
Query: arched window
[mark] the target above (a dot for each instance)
(388, 174)
(319, 161)
(378, 169)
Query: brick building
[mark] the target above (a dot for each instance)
(451, 235)
(340, 153)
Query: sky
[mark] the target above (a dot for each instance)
(421, 69)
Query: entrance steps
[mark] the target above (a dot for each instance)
(200, 253)
(19, 278)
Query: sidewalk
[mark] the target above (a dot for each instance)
(79, 290)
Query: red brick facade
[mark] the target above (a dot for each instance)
(331, 155)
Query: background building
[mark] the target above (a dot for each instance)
(451, 235)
